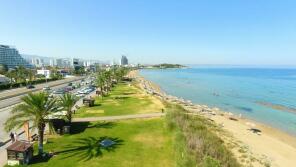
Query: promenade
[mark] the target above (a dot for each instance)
(120, 117)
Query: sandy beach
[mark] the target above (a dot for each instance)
(253, 143)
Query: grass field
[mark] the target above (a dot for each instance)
(178, 139)
(123, 99)
(138, 143)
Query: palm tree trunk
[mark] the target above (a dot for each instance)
(40, 139)
(102, 93)
(10, 82)
(69, 115)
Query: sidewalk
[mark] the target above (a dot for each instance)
(121, 117)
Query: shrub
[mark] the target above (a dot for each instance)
(200, 138)
(20, 84)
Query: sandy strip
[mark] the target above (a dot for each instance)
(267, 147)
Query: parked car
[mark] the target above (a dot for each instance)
(58, 92)
(82, 91)
(68, 88)
(30, 86)
(75, 86)
(46, 88)
(79, 94)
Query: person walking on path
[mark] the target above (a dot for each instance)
(12, 137)
(15, 135)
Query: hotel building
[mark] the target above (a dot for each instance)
(10, 57)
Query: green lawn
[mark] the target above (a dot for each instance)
(123, 99)
(144, 142)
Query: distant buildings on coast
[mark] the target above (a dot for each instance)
(11, 58)
(123, 61)
(39, 61)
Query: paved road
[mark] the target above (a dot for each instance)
(121, 117)
(7, 100)
(4, 115)
(5, 94)
(6, 106)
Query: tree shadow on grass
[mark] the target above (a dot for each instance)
(39, 159)
(88, 148)
(79, 127)
(97, 104)
(121, 97)
(128, 93)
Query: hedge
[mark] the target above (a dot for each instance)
(20, 84)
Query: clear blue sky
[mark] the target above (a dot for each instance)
(154, 31)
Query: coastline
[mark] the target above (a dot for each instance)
(266, 144)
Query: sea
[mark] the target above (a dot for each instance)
(263, 94)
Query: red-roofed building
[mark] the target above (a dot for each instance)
(19, 152)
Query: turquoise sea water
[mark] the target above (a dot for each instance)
(267, 95)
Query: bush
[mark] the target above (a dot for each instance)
(200, 138)
(210, 162)
(20, 84)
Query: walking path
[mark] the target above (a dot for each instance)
(121, 117)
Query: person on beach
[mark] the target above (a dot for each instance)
(11, 135)
(15, 135)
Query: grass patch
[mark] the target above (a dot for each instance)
(123, 99)
(203, 146)
(138, 143)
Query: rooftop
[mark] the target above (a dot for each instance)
(19, 146)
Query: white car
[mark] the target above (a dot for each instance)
(79, 94)
(46, 88)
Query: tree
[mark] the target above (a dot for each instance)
(35, 108)
(3, 69)
(21, 73)
(100, 82)
(120, 73)
(31, 75)
(79, 70)
(108, 80)
(67, 101)
(11, 75)
(54, 73)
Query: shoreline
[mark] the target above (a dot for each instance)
(268, 144)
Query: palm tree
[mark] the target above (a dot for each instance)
(31, 75)
(35, 108)
(108, 80)
(3, 69)
(100, 82)
(20, 74)
(11, 74)
(67, 101)
(119, 74)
